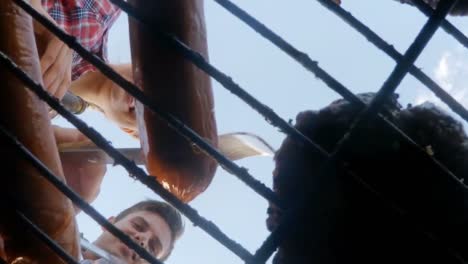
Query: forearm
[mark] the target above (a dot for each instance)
(90, 85)
(83, 172)
(83, 177)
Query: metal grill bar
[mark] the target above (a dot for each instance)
(312, 66)
(446, 25)
(401, 69)
(46, 239)
(301, 57)
(200, 57)
(198, 60)
(176, 124)
(288, 222)
(375, 39)
(270, 244)
(304, 60)
(75, 198)
(273, 241)
(241, 92)
(130, 166)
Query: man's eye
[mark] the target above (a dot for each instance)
(138, 227)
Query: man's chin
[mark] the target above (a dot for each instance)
(123, 252)
(119, 251)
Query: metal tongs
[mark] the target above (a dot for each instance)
(72, 103)
(234, 146)
(107, 257)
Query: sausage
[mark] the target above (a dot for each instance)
(25, 115)
(177, 87)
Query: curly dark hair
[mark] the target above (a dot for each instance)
(342, 221)
(460, 8)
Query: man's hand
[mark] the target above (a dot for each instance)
(56, 57)
(84, 172)
(56, 66)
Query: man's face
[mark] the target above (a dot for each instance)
(118, 106)
(146, 228)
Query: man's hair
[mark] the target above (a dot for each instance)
(166, 211)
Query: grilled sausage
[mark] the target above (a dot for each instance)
(177, 87)
(25, 115)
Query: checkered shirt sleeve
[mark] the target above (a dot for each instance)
(89, 22)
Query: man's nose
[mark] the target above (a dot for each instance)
(141, 240)
(131, 102)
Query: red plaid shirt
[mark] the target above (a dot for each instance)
(87, 20)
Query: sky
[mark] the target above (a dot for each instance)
(282, 84)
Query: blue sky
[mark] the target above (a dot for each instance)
(281, 83)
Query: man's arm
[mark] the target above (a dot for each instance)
(108, 98)
(83, 172)
(89, 85)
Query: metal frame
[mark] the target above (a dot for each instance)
(405, 64)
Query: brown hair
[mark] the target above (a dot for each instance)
(166, 211)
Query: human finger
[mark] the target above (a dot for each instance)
(64, 85)
(53, 86)
(50, 54)
(56, 69)
(66, 81)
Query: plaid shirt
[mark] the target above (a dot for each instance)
(87, 20)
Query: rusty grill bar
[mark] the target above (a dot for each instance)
(133, 90)
(400, 70)
(75, 198)
(404, 64)
(334, 84)
(446, 25)
(390, 50)
(265, 111)
(130, 166)
(46, 239)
